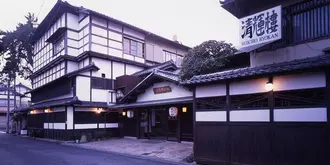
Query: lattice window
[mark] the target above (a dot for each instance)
(300, 98)
(211, 103)
(249, 101)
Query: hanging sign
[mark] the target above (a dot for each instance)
(164, 89)
(262, 27)
(173, 111)
(130, 114)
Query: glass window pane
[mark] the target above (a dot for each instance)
(140, 50)
(133, 48)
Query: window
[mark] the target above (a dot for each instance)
(58, 46)
(101, 83)
(167, 56)
(133, 47)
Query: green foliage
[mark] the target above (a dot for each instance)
(208, 57)
(16, 49)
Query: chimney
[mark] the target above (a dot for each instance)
(175, 38)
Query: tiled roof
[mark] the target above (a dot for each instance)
(89, 67)
(289, 66)
(169, 76)
(161, 66)
(50, 103)
(91, 104)
(155, 102)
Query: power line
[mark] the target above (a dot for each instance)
(42, 5)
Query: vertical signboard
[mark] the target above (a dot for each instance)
(262, 27)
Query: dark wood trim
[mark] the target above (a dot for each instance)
(178, 126)
(327, 82)
(66, 35)
(271, 121)
(124, 69)
(228, 147)
(73, 114)
(90, 34)
(66, 117)
(90, 83)
(194, 119)
(83, 18)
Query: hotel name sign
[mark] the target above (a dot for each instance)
(164, 89)
(262, 27)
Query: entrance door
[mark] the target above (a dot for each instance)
(158, 123)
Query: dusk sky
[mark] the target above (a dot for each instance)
(193, 21)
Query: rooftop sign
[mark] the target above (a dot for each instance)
(262, 27)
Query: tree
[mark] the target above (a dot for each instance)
(16, 56)
(16, 49)
(208, 57)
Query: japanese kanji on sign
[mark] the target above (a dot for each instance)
(262, 27)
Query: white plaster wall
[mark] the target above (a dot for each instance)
(118, 69)
(83, 88)
(85, 126)
(211, 90)
(211, 116)
(300, 51)
(69, 117)
(99, 48)
(301, 115)
(99, 95)
(114, 26)
(59, 126)
(299, 81)
(104, 65)
(177, 92)
(248, 86)
(115, 36)
(84, 22)
(73, 21)
(250, 116)
(72, 66)
(108, 125)
(130, 69)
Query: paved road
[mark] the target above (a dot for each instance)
(15, 150)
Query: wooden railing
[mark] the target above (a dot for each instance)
(303, 22)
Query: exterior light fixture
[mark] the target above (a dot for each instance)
(98, 110)
(184, 109)
(130, 114)
(123, 113)
(32, 112)
(47, 111)
(269, 85)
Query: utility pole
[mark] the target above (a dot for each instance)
(8, 106)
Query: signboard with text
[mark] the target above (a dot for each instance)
(262, 27)
(164, 89)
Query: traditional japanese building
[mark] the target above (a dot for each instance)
(94, 75)
(277, 110)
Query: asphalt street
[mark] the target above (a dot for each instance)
(15, 150)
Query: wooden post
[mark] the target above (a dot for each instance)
(178, 130)
(271, 122)
(228, 123)
(327, 94)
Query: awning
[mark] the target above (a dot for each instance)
(155, 103)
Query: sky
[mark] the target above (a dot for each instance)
(193, 21)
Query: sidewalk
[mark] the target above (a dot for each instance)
(169, 151)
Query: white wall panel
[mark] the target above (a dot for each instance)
(211, 90)
(69, 117)
(85, 126)
(104, 65)
(73, 35)
(248, 86)
(99, 40)
(118, 69)
(250, 116)
(73, 52)
(99, 31)
(138, 59)
(99, 95)
(59, 125)
(84, 22)
(115, 44)
(73, 21)
(115, 36)
(301, 115)
(108, 125)
(99, 21)
(129, 57)
(83, 88)
(72, 66)
(115, 52)
(177, 92)
(99, 48)
(73, 43)
(211, 116)
(130, 69)
(299, 81)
